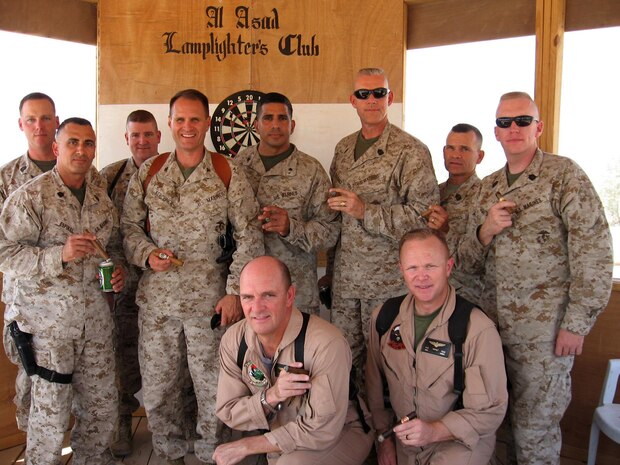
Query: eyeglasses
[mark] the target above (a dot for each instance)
(521, 121)
(377, 93)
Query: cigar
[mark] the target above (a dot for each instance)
(426, 214)
(100, 250)
(297, 371)
(175, 261)
(386, 434)
(503, 199)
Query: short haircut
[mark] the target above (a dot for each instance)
(141, 116)
(73, 120)
(285, 273)
(274, 97)
(190, 94)
(463, 128)
(519, 94)
(36, 96)
(373, 72)
(424, 233)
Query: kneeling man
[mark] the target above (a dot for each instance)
(415, 355)
(303, 408)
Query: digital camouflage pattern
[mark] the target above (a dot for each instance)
(63, 307)
(300, 185)
(552, 269)
(128, 376)
(458, 205)
(395, 179)
(186, 216)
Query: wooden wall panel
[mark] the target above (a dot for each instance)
(336, 39)
(71, 20)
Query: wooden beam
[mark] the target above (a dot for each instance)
(550, 20)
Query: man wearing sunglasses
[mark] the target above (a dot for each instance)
(383, 181)
(540, 235)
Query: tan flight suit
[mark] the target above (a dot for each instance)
(319, 427)
(422, 381)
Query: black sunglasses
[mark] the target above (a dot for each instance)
(377, 93)
(521, 121)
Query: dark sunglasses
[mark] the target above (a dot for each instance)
(377, 93)
(521, 121)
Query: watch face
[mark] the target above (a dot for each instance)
(232, 125)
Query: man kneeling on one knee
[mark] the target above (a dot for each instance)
(303, 408)
(415, 357)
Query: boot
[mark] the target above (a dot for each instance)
(121, 445)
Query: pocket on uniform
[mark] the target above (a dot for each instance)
(475, 395)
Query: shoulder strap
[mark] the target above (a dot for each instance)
(300, 340)
(388, 313)
(153, 170)
(243, 348)
(117, 177)
(222, 168)
(457, 330)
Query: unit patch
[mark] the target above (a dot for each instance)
(257, 377)
(396, 341)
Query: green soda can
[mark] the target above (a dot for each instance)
(105, 275)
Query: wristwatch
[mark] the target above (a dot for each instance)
(264, 403)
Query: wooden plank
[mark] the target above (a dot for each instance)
(308, 49)
(71, 20)
(12, 455)
(550, 16)
(142, 444)
(445, 22)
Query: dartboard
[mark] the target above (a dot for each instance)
(232, 125)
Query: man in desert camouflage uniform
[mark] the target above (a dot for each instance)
(187, 206)
(142, 137)
(383, 181)
(38, 122)
(45, 248)
(462, 152)
(291, 187)
(540, 234)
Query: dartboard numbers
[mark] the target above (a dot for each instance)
(232, 125)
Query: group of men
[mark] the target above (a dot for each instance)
(282, 383)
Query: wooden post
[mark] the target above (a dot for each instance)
(550, 19)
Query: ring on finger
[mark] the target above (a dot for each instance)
(343, 204)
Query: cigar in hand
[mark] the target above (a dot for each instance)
(175, 261)
(502, 199)
(386, 434)
(426, 214)
(100, 250)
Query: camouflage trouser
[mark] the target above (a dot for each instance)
(164, 344)
(22, 383)
(539, 396)
(91, 398)
(352, 317)
(128, 380)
